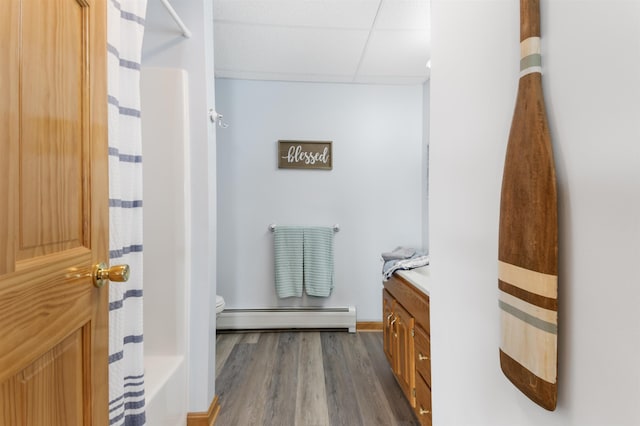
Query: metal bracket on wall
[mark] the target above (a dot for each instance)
(216, 117)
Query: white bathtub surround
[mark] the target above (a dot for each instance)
(166, 384)
(165, 47)
(126, 368)
(166, 144)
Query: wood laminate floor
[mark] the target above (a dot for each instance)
(307, 379)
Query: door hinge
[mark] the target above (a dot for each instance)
(413, 392)
(413, 332)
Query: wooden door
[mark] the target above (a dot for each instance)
(405, 363)
(53, 213)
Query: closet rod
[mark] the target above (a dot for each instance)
(185, 31)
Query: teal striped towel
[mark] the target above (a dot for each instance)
(318, 261)
(288, 260)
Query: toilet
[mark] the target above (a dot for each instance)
(219, 304)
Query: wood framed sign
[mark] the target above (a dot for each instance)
(305, 155)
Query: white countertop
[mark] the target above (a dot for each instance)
(419, 277)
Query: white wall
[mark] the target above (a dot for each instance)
(591, 57)
(164, 46)
(373, 191)
(426, 114)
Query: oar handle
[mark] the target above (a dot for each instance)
(529, 19)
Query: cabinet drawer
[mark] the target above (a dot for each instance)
(423, 354)
(423, 402)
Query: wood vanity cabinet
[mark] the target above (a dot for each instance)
(406, 342)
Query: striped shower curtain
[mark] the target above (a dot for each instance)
(125, 29)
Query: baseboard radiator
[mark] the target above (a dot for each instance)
(288, 318)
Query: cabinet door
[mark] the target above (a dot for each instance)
(388, 334)
(405, 363)
(423, 354)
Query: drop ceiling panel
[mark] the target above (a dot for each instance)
(287, 50)
(403, 15)
(353, 14)
(396, 53)
(364, 41)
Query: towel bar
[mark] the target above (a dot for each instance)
(336, 227)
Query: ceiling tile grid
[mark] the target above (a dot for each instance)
(353, 41)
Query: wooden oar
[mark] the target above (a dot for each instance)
(528, 242)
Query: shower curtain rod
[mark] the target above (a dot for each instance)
(185, 31)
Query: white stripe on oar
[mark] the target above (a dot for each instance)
(529, 46)
(529, 346)
(534, 282)
(530, 59)
(542, 314)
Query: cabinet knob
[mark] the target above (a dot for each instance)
(422, 357)
(423, 411)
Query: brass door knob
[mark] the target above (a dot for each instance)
(102, 274)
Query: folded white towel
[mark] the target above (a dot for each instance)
(398, 253)
(391, 266)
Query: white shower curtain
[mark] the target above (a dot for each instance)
(125, 29)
